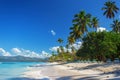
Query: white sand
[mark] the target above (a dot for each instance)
(74, 71)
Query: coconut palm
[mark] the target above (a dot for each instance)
(116, 26)
(58, 50)
(73, 49)
(71, 40)
(80, 23)
(61, 48)
(82, 20)
(95, 23)
(110, 9)
(76, 32)
(60, 40)
(67, 47)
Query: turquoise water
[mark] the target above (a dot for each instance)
(11, 70)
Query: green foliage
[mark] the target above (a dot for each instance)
(100, 46)
(62, 57)
(116, 26)
(60, 40)
(82, 22)
(110, 9)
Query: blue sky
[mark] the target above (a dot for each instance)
(27, 24)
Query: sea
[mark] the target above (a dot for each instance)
(13, 70)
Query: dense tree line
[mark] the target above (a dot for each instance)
(100, 46)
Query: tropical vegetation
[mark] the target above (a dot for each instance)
(96, 45)
(100, 46)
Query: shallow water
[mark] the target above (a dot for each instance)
(10, 70)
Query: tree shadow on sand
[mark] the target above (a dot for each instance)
(24, 78)
(82, 78)
(90, 66)
(116, 74)
(93, 77)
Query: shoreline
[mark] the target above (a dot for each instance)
(74, 71)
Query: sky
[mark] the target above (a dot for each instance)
(33, 26)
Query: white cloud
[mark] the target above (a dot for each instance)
(24, 52)
(4, 53)
(28, 53)
(76, 45)
(54, 49)
(45, 54)
(100, 29)
(53, 32)
(16, 50)
(31, 54)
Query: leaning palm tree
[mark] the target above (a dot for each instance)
(80, 23)
(75, 33)
(71, 40)
(82, 20)
(95, 23)
(116, 26)
(110, 9)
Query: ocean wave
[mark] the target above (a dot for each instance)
(37, 65)
(28, 67)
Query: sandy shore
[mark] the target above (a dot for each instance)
(73, 71)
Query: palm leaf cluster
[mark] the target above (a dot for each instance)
(81, 23)
(110, 9)
(116, 26)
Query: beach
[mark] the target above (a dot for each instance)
(14, 70)
(74, 71)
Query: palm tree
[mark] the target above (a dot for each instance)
(110, 9)
(76, 32)
(73, 49)
(116, 26)
(95, 23)
(82, 20)
(60, 40)
(71, 40)
(60, 49)
(80, 23)
(67, 47)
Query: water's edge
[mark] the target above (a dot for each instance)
(13, 70)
